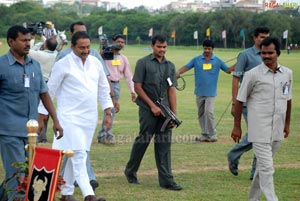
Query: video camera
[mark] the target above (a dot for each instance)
(36, 28)
(107, 52)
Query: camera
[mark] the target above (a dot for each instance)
(36, 28)
(107, 52)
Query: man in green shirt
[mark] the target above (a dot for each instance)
(154, 79)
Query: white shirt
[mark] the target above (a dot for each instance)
(266, 94)
(78, 88)
(46, 58)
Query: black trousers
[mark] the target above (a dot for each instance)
(149, 126)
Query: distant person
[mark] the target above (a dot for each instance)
(117, 67)
(206, 69)
(46, 58)
(154, 78)
(78, 82)
(267, 91)
(22, 87)
(247, 59)
(288, 49)
(49, 31)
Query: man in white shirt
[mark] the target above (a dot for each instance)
(76, 27)
(78, 82)
(46, 58)
(267, 90)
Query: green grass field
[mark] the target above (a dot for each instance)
(200, 168)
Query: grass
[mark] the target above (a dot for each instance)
(200, 168)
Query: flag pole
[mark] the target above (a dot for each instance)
(174, 41)
(32, 128)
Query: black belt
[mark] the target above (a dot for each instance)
(114, 81)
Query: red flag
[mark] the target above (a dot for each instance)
(42, 179)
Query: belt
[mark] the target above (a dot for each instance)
(114, 81)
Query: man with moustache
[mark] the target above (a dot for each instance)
(246, 60)
(78, 82)
(76, 27)
(206, 67)
(154, 78)
(267, 92)
(22, 86)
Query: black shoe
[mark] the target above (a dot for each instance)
(75, 184)
(251, 176)
(93, 198)
(94, 184)
(172, 187)
(102, 140)
(233, 167)
(131, 178)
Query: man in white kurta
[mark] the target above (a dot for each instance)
(79, 82)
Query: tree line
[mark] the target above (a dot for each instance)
(139, 21)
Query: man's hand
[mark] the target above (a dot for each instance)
(156, 111)
(171, 124)
(58, 130)
(286, 131)
(41, 118)
(133, 97)
(107, 121)
(236, 134)
(232, 110)
(116, 105)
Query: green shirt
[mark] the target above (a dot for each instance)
(155, 77)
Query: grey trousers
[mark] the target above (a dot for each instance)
(206, 116)
(263, 177)
(103, 133)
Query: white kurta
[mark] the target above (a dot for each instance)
(78, 88)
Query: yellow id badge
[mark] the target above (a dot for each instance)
(207, 66)
(116, 62)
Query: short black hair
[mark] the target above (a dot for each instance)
(13, 32)
(269, 40)
(208, 43)
(79, 35)
(159, 37)
(261, 29)
(116, 36)
(80, 23)
(51, 43)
